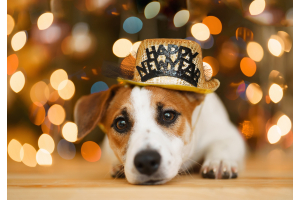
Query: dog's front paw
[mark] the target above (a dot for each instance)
(117, 171)
(219, 169)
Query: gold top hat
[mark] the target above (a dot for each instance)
(173, 64)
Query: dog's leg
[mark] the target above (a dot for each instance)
(117, 169)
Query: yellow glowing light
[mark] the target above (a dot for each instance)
(90, 151)
(255, 51)
(254, 93)
(70, 131)
(66, 89)
(57, 77)
(45, 21)
(46, 142)
(257, 6)
(29, 155)
(14, 150)
(10, 24)
(276, 45)
(56, 114)
(286, 39)
(17, 81)
(214, 24)
(37, 113)
(181, 18)
(39, 93)
(152, 9)
(200, 31)
(274, 134)
(135, 46)
(285, 124)
(122, 47)
(18, 40)
(43, 157)
(275, 93)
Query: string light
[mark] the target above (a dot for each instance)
(274, 134)
(285, 124)
(14, 150)
(17, 81)
(10, 24)
(257, 6)
(29, 158)
(275, 93)
(45, 21)
(122, 47)
(214, 24)
(56, 114)
(200, 31)
(70, 131)
(46, 142)
(181, 18)
(152, 9)
(18, 40)
(255, 51)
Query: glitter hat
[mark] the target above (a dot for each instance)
(173, 64)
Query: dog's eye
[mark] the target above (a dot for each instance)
(169, 116)
(120, 124)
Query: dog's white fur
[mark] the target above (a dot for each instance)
(215, 139)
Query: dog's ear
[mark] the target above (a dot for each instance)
(90, 109)
(194, 98)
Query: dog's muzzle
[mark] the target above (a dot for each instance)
(147, 162)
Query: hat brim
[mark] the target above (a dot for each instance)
(172, 87)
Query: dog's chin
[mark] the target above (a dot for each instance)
(154, 182)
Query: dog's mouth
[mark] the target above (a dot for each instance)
(153, 182)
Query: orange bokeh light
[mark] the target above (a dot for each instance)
(37, 113)
(214, 24)
(12, 64)
(248, 66)
(56, 114)
(90, 151)
(213, 63)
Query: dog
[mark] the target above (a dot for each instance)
(155, 133)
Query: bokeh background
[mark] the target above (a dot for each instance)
(57, 49)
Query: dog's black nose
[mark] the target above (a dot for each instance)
(147, 162)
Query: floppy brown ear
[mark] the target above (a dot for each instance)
(91, 108)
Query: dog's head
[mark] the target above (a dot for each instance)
(149, 128)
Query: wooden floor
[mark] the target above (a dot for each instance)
(266, 176)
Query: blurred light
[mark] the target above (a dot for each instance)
(121, 47)
(14, 150)
(50, 35)
(274, 134)
(80, 28)
(247, 129)
(255, 51)
(273, 74)
(268, 100)
(45, 21)
(275, 93)
(66, 149)
(37, 113)
(70, 131)
(90, 151)
(10, 24)
(286, 39)
(98, 87)
(17, 81)
(285, 124)
(207, 44)
(135, 46)
(39, 92)
(29, 158)
(231, 91)
(18, 40)
(213, 63)
(53, 94)
(244, 33)
(248, 66)
(254, 93)
(241, 90)
(66, 89)
(152, 9)
(200, 31)
(276, 45)
(46, 142)
(57, 77)
(181, 18)
(12, 64)
(81, 43)
(228, 56)
(132, 25)
(257, 6)
(214, 24)
(43, 157)
(56, 114)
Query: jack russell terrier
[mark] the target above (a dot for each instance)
(157, 131)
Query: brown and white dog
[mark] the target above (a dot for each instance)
(155, 133)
